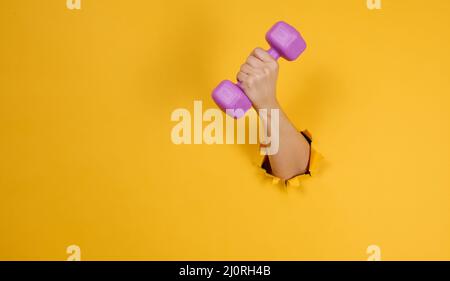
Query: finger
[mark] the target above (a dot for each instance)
(254, 61)
(262, 55)
(246, 68)
(241, 76)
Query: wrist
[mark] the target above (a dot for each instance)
(272, 104)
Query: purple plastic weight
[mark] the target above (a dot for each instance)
(285, 41)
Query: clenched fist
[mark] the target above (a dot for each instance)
(258, 78)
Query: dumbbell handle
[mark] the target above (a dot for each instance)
(274, 53)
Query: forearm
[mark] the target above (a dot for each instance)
(293, 153)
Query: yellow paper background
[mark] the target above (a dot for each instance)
(86, 156)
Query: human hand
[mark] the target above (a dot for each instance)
(258, 78)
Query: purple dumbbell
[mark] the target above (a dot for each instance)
(285, 41)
